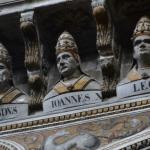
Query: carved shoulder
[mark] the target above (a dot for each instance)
(22, 99)
(52, 93)
(132, 75)
(93, 85)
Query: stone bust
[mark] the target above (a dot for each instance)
(141, 51)
(137, 81)
(8, 93)
(68, 64)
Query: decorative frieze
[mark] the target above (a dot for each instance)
(105, 129)
(106, 111)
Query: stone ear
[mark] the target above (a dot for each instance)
(134, 54)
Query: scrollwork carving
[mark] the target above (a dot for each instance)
(104, 46)
(33, 57)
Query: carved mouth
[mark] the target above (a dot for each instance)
(144, 50)
(64, 68)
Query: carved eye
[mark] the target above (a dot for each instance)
(65, 56)
(58, 59)
(137, 42)
(146, 41)
(2, 67)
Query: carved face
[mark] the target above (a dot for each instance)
(66, 64)
(4, 73)
(141, 46)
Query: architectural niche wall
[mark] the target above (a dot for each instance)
(75, 17)
(124, 16)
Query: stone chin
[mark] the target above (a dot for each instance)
(65, 73)
(68, 71)
(5, 78)
(143, 55)
(144, 51)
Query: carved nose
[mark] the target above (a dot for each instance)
(142, 45)
(61, 62)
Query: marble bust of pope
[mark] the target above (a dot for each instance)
(8, 92)
(141, 51)
(68, 64)
(137, 81)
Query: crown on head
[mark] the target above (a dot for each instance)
(142, 27)
(66, 43)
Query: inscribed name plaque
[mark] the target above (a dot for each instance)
(13, 111)
(72, 101)
(133, 88)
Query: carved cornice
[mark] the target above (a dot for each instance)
(101, 112)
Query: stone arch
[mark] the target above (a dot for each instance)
(10, 145)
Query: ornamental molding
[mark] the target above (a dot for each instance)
(28, 6)
(138, 141)
(116, 109)
(10, 145)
